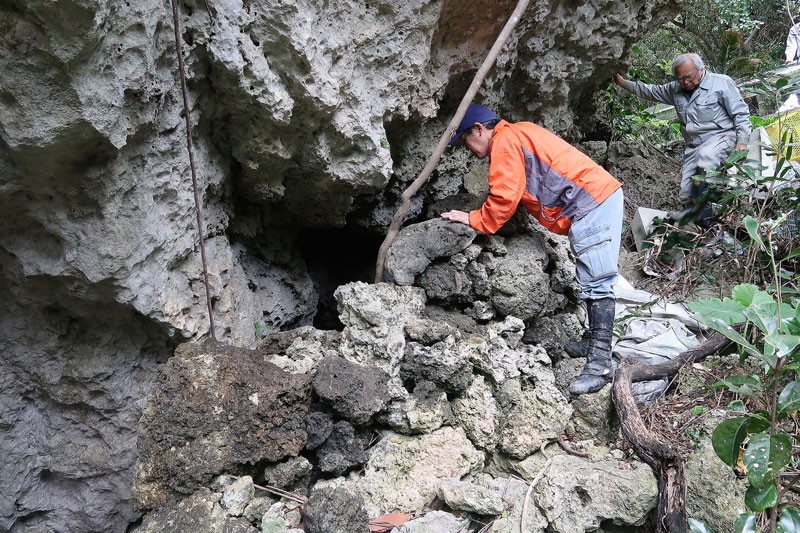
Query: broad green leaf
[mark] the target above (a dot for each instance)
(784, 344)
(787, 311)
(739, 379)
(737, 406)
(793, 253)
(763, 320)
(759, 421)
(745, 523)
(789, 521)
(789, 398)
(727, 438)
(752, 228)
(744, 390)
(730, 311)
(724, 329)
(760, 499)
(748, 294)
(700, 409)
(781, 83)
(765, 457)
(696, 526)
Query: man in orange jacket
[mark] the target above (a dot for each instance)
(567, 193)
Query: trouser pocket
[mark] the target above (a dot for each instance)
(593, 253)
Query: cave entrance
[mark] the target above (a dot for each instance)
(335, 257)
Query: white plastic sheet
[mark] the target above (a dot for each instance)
(652, 331)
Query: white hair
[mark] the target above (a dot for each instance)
(681, 59)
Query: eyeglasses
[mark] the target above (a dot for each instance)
(686, 78)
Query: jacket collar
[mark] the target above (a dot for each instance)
(500, 125)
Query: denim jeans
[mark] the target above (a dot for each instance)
(595, 240)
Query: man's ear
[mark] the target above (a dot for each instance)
(478, 128)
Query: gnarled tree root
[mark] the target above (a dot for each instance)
(667, 464)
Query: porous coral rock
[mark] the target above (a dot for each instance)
(403, 471)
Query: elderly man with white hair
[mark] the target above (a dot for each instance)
(713, 119)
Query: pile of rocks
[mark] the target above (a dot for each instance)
(430, 398)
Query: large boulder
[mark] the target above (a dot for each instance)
(215, 407)
(356, 392)
(403, 471)
(416, 246)
(576, 494)
(374, 317)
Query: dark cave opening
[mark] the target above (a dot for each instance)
(335, 257)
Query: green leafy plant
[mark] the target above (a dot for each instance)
(764, 326)
(261, 330)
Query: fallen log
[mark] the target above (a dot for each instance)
(667, 464)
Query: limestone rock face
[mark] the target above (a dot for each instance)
(478, 413)
(306, 116)
(216, 407)
(374, 316)
(418, 245)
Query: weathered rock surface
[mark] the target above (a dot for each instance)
(335, 510)
(576, 494)
(403, 471)
(342, 450)
(290, 473)
(713, 492)
(237, 495)
(531, 416)
(434, 522)
(478, 413)
(421, 411)
(257, 414)
(355, 391)
(374, 317)
(416, 246)
(198, 512)
(465, 496)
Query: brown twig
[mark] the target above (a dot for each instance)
(400, 215)
(190, 148)
(536, 479)
(280, 492)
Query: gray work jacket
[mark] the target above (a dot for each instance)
(715, 107)
(793, 43)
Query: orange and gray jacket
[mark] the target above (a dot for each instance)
(554, 181)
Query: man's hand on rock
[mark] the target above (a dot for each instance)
(740, 147)
(457, 216)
(618, 79)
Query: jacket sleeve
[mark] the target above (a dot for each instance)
(656, 93)
(738, 110)
(506, 185)
(792, 42)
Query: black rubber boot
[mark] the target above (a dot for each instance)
(580, 347)
(696, 209)
(598, 369)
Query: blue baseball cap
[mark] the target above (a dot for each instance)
(475, 113)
